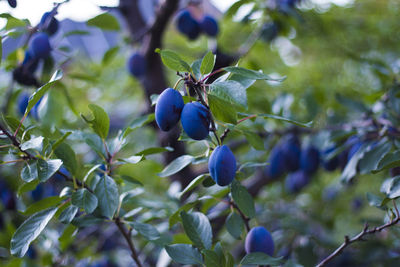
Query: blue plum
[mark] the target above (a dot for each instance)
(187, 25)
(12, 3)
(332, 163)
(195, 120)
(30, 63)
(168, 109)
(276, 161)
(60, 177)
(48, 25)
(291, 153)
(39, 46)
(259, 240)
(296, 181)
(222, 165)
(209, 25)
(309, 159)
(353, 150)
(137, 65)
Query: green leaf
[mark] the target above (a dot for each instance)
(243, 199)
(29, 230)
(234, 225)
(60, 140)
(68, 236)
(42, 204)
(184, 254)
(251, 74)
(374, 200)
(107, 195)
(36, 96)
(230, 261)
(133, 159)
(230, 91)
(351, 104)
(85, 221)
(393, 187)
(29, 172)
(371, 159)
(26, 187)
(275, 117)
(109, 55)
(211, 258)
(138, 123)
(100, 123)
(105, 22)
(207, 64)
(173, 61)
(64, 152)
(254, 140)
(84, 200)
(68, 214)
(197, 228)
(48, 168)
(146, 230)
(351, 168)
(389, 161)
(35, 143)
(196, 181)
(154, 150)
(222, 109)
(196, 68)
(176, 165)
(260, 258)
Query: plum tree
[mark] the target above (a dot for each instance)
(195, 119)
(39, 46)
(222, 165)
(309, 159)
(168, 109)
(137, 65)
(47, 24)
(209, 25)
(258, 239)
(187, 25)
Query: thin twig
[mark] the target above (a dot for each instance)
(128, 239)
(359, 237)
(244, 217)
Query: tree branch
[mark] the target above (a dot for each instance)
(128, 239)
(359, 237)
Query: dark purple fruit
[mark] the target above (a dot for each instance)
(222, 165)
(259, 240)
(195, 120)
(168, 109)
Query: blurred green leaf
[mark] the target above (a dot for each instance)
(100, 123)
(83, 199)
(176, 165)
(243, 199)
(105, 22)
(173, 61)
(259, 258)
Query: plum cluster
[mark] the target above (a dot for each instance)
(192, 28)
(39, 48)
(289, 157)
(195, 119)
